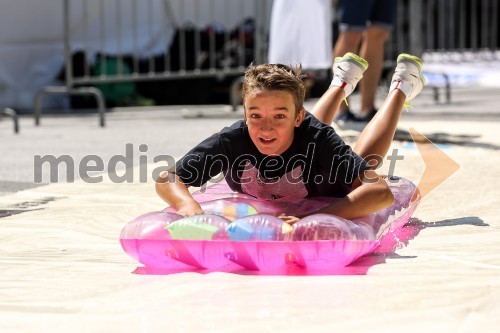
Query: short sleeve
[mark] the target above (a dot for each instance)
(203, 162)
(342, 164)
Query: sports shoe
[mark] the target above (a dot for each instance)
(368, 117)
(347, 115)
(408, 76)
(347, 71)
(348, 120)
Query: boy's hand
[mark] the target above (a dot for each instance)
(190, 209)
(289, 219)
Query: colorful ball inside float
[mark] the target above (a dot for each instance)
(199, 227)
(229, 209)
(259, 227)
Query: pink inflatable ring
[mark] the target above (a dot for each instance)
(240, 229)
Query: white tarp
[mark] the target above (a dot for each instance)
(63, 269)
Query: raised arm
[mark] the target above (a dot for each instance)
(171, 189)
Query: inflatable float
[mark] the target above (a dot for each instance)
(241, 229)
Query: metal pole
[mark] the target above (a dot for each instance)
(451, 25)
(169, 20)
(182, 39)
(102, 39)
(119, 38)
(12, 114)
(211, 37)
(197, 36)
(151, 66)
(86, 69)
(486, 23)
(462, 25)
(402, 42)
(430, 26)
(259, 31)
(415, 18)
(442, 17)
(67, 46)
(494, 27)
(226, 63)
(473, 29)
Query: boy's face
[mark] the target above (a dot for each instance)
(271, 120)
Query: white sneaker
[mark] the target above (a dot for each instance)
(347, 71)
(408, 76)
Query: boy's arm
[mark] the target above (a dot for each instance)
(171, 189)
(370, 193)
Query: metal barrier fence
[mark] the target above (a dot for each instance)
(8, 112)
(445, 31)
(446, 27)
(192, 52)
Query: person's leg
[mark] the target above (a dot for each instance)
(353, 17)
(372, 49)
(347, 71)
(328, 105)
(407, 82)
(348, 41)
(376, 138)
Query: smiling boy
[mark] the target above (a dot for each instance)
(282, 152)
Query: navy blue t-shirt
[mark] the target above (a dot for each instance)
(318, 163)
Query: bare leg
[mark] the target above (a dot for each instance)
(348, 41)
(376, 138)
(407, 82)
(372, 49)
(347, 71)
(328, 105)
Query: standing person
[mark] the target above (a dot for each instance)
(301, 33)
(365, 22)
(279, 151)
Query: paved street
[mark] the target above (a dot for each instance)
(64, 270)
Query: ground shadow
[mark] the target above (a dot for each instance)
(26, 206)
(471, 220)
(439, 138)
(465, 140)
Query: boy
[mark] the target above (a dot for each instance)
(281, 152)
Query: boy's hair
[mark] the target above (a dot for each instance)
(276, 77)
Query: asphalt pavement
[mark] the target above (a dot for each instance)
(139, 135)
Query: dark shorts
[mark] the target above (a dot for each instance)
(357, 15)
